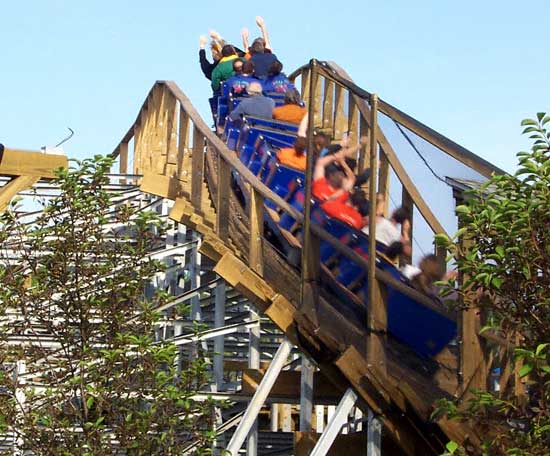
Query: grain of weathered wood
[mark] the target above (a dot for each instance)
(24, 163)
(255, 256)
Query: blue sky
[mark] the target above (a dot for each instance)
(471, 70)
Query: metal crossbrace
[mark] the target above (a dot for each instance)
(259, 398)
(339, 418)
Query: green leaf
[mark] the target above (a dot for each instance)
(528, 122)
(545, 120)
(462, 209)
(451, 447)
(546, 369)
(540, 115)
(90, 401)
(540, 348)
(526, 369)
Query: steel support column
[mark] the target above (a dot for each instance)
(339, 418)
(259, 398)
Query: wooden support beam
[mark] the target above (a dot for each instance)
(15, 162)
(377, 312)
(222, 200)
(123, 158)
(197, 167)
(255, 257)
(384, 181)
(287, 386)
(160, 185)
(12, 188)
(343, 445)
(407, 203)
(353, 118)
(328, 104)
(340, 117)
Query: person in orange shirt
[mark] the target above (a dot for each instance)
(291, 111)
(294, 157)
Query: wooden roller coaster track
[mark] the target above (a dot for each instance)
(181, 159)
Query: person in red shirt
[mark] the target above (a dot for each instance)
(332, 178)
(353, 212)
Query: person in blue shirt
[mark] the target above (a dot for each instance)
(255, 105)
(261, 59)
(276, 80)
(238, 84)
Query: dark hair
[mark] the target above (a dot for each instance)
(300, 145)
(359, 200)
(257, 46)
(292, 96)
(400, 215)
(275, 68)
(394, 250)
(228, 50)
(237, 61)
(248, 67)
(431, 267)
(333, 168)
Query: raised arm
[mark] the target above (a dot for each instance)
(349, 181)
(265, 36)
(246, 36)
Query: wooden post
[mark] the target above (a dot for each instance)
(364, 152)
(310, 245)
(340, 118)
(255, 257)
(353, 117)
(222, 199)
(123, 158)
(407, 203)
(183, 141)
(377, 318)
(473, 369)
(328, 101)
(384, 181)
(197, 168)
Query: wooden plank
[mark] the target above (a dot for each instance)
(232, 365)
(340, 117)
(222, 200)
(328, 104)
(123, 158)
(377, 312)
(15, 162)
(317, 106)
(244, 280)
(255, 255)
(305, 84)
(171, 106)
(12, 188)
(157, 184)
(281, 312)
(287, 386)
(407, 203)
(344, 445)
(384, 180)
(197, 167)
(353, 118)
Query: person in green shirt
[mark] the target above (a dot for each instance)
(224, 68)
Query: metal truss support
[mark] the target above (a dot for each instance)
(306, 394)
(253, 363)
(374, 435)
(219, 321)
(339, 418)
(259, 397)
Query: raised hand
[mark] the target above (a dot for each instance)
(202, 41)
(260, 21)
(215, 35)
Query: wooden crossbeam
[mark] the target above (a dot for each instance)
(18, 184)
(24, 163)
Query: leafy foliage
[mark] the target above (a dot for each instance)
(73, 282)
(505, 262)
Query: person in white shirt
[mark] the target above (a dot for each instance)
(388, 232)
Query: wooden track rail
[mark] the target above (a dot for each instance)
(180, 158)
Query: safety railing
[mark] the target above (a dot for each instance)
(170, 138)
